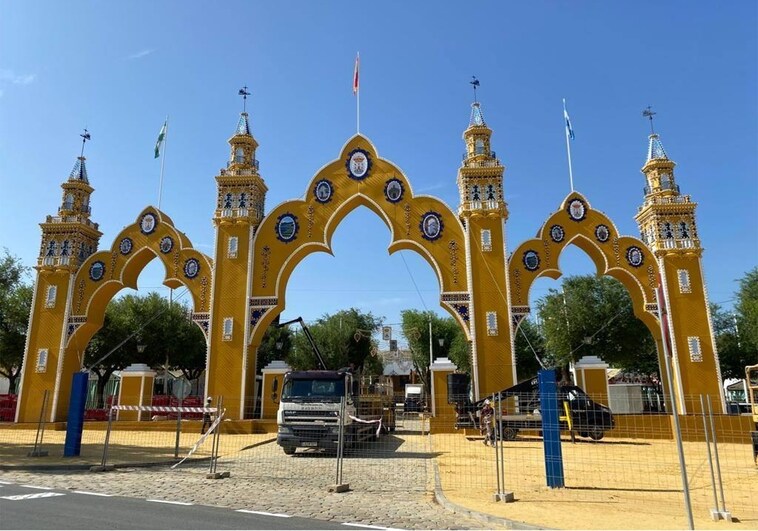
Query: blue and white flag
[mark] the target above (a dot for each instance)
(569, 129)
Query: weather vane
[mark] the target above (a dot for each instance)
(85, 136)
(474, 83)
(244, 93)
(648, 113)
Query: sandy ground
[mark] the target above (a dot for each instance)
(614, 484)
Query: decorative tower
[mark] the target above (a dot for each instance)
(241, 194)
(483, 213)
(67, 240)
(667, 225)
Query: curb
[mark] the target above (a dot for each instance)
(506, 523)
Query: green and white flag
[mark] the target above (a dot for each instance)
(158, 142)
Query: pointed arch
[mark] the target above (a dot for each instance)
(625, 258)
(107, 272)
(359, 177)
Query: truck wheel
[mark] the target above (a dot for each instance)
(509, 434)
(289, 450)
(596, 434)
(583, 434)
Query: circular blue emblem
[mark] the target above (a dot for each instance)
(125, 246)
(431, 226)
(531, 260)
(166, 244)
(602, 233)
(97, 271)
(287, 227)
(358, 164)
(557, 233)
(191, 268)
(394, 190)
(634, 256)
(323, 191)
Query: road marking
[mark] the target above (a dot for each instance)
(279, 515)
(5, 483)
(171, 502)
(93, 493)
(366, 526)
(32, 496)
(33, 487)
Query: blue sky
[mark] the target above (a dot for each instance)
(120, 68)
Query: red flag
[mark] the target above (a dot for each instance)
(355, 73)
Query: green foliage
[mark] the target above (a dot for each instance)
(737, 333)
(529, 345)
(594, 316)
(455, 346)
(169, 338)
(15, 306)
(268, 350)
(747, 312)
(343, 339)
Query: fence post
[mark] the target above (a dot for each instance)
(178, 426)
(715, 514)
(726, 515)
(37, 451)
(339, 486)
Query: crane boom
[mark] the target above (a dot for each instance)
(308, 335)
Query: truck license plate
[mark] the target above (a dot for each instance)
(310, 443)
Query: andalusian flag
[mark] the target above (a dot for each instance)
(356, 71)
(161, 137)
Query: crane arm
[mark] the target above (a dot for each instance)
(308, 336)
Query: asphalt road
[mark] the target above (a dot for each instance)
(30, 507)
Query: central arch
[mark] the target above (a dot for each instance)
(359, 177)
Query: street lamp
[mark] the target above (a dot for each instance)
(141, 348)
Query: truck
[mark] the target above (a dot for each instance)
(578, 412)
(414, 398)
(309, 408)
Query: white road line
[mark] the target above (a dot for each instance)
(171, 502)
(33, 487)
(93, 493)
(5, 483)
(32, 496)
(365, 526)
(279, 515)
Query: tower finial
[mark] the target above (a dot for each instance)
(648, 113)
(85, 136)
(474, 83)
(244, 93)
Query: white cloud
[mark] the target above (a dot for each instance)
(141, 54)
(16, 79)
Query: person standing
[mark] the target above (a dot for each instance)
(206, 416)
(485, 422)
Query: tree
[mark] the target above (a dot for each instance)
(737, 332)
(529, 345)
(594, 316)
(343, 339)
(15, 306)
(169, 338)
(747, 312)
(455, 346)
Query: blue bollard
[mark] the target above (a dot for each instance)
(551, 430)
(75, 419)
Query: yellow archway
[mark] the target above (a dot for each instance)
(297, 228)
(63, 331)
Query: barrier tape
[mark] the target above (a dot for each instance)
(205, 435)
(166, 409)
(379, 421)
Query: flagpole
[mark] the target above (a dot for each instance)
(568, 147)
(163, 161)
(358, 94)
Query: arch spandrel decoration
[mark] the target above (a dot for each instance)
(359, 177)
(106, 272)
(625, 258)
